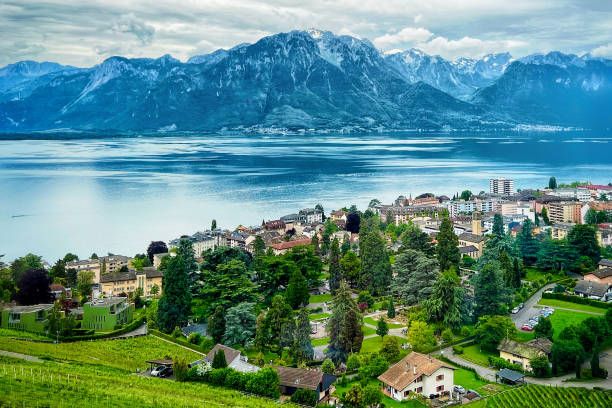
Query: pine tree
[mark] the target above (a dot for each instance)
(302, 344)
(489, 291)
(216, 324)
(297, 290)
(213, 225)
(390, 308)
(175, 303)
(415, 274)
(446, 300)
(448, 246)
(344, 325)
(335, 272)
(414, 238)
(382, 329)
(185, 251)
(375, 266)
(498, 226)
(552, 183)
(219, 360)
(527, 243)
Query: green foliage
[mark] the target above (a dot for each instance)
(328, 366)
(373, 366)
(583, 239)
(490, 293)
(544, 328)
(239, 324)
(414, 276)
(84, 282)
(353, 362)
(381, 327)
(305, 397)
(344, 325)
(414, 238)
(270, 324)
(490, 330)
(448, 246)
(545, 216)
(175, 303)
(350, 265)
(219, 360)
(577, 300)
(540, 367)
(194, 338)
(566, 355)
(303, 350)
(335, 271)
(180, 369)
(550, 397)
(366, 298)
(227, 285)
(390, 349)
(447, 335)
(297, 290)
(390, 308)
(528, 244)
(445, 301)
(421, 336)
(216, 324)
(375, 266)
(552, 183)
(500, 363)
(25, 263)
(353, 398)
(33, 287)
(466, 195)
(556, 255)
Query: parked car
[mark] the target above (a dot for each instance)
(521, 305)
(161, 371)
(527, 327)
(459, 389)
(474, 392)
(516, 310)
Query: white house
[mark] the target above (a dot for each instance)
(417, 374)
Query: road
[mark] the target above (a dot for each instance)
(529, 310)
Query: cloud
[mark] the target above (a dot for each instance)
(467, 47)
(128, 23)
(603, 51)
(21, 49)
(403, 38)
(417, 18)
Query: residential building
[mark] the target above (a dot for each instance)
(107, 313)
(157, 258)
(560, 230)
(92, 265)
(233, 358)
(338, 215)
(468, 239)
(203, 241)
(457, 207)
(417, 374)
(292, 379)
(237, 239)
(600, 275)
(403, 214)
(597, 190)
(310, 216)
(604, 263)
(592, 290)
(27, 318)
(565, 211)
(113, 284)
(502, 186)
(284, 246)
(113, 263)
(521, 353)
(274, 225)
(581, 194)
(469, 250)
(508, 207)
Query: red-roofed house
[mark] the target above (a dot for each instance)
(282, 247)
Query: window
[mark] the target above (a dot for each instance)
(406, 393)
(419, 390)
(439, 388)
(440, 377)
(419, 378)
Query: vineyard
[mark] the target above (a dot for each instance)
(52, 384)
(537, 396)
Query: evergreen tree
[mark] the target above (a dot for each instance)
(259, 247)
(239, 324)
(382, 329)
(390, 308)
(414, 276)
(213, 225)
(185, 252)
(216, 324)
(219, 360)
(537, 220)
(303, 346)
(277, 315)
(448, 246)
(297, 290)
(315, 244)
(552, 183)
(527, 243)
(545, 216)
(175, 303)
(544, 328)
(351, 267)
(344, 325)
(335, 272)
(517, 274)
(414, 238)
(583, 238)
(375, 266)
(489, 291)
(446, 299)
(498, 226)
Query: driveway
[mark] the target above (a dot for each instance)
(529, 310)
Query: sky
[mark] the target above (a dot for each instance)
(84, 33)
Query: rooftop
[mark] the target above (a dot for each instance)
(149, 271)
(29, 309)
(105, 302)
(290, 244)
(591, 288)
(602, 273)
(408, 369)
(299, 377)
(230, 353)
(469, 237)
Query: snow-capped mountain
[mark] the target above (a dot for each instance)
(307, 80)
(18, 79)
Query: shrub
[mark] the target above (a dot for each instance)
(217, 376)
(540, 366)
(195, 338)
(207, 344)
(501, 363)
(467, 331)
(219, 360)
(264, 382)
(577, 299)
(328, 366)
(181, 369)
(353, 363)
(390, 349)
(236, 380)
(447, 335)
(305, 397)
(177, 333)
(457, 349)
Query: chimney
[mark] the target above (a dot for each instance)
(414, 370)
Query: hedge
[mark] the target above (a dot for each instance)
(577, 299)
(181, 342)
(132, 326)
(264, 382)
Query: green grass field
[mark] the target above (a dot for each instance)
(374, 322)
(537, 396)
(318, 316)
(560, 319)
(373, 345)
(570, 305)
(366, 330)
(475, 355)
(320, 342)
(18, 334)
(53, 384)
(128, 354)
(320, 298)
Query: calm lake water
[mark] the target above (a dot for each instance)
(117, 194)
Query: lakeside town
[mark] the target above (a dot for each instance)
(478, 299)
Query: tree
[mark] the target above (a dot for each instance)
(552, 183)
(304, 396)
(490, 330)
(239, 324)
(382, 329)
(58, 271)
(583, 238)
(24, 264)
(375, 266)
(421, 336)
(216, 324)
(140, 261)
(390, 349)
(71, 277)
(414, 238)
(564, 355)
(540, 367)
(353, 398)
(353, 222)
(303, 346)
(537, 220)
(528, 245)
(446, 299)
(156, 247)
(270, 330)
(297, 290)
(33, 287)
(466, 195)
(228, 285)
(390, 308)
(175, 303)
(490, 294)
(213, 224)
(70, 257)
(328, 366)
(448, 246)
(154, 290)
(556, 255)
(185, 252)
(545, 216)
(335, 271)
(414, 276)
(344, 325)
(544, 328)
(219, 360)
(350, 265)
(498, 226)
(84, 283)
(314, 242)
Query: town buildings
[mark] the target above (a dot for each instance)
(501, 186)
(565, 211)
(521, 353)
(417, 374)
(107, 313)
(147, 279)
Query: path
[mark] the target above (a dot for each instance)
(528, 309)
(140, 331)
(20, 356)
(178, 345)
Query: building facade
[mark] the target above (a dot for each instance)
(501, 186)
(26, 318)
(106, 314)
(565, 211)
(127, 282)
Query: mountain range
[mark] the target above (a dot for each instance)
(308, 80)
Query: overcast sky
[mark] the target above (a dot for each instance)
(84, 33)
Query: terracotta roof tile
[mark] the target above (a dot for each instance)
(403, 373)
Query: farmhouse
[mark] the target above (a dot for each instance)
(417, 374)
(592, 290)
(233, 358)
(520, 353)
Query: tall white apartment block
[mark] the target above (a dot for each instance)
(502, 186)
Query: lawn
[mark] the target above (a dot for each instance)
(570, 305)
(538, 396)
(374, 344)
(533, 274)
(475, 355)
(367, 330)
(318, 316)
(374, 322)
(389, 402)
(53, 384)
(125, 354)
(320, 298)
(320, 342)
(18, 334)
(560, 319)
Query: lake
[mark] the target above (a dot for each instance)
(116, 194)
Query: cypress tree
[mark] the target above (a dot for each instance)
(344, 325)
(219, 360)
(216, 324)
(335, 272)
(175, 303)
(448, 246)
(390, 308)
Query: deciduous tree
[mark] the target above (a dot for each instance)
(156, 247)
(33, 287)
(414, 276)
